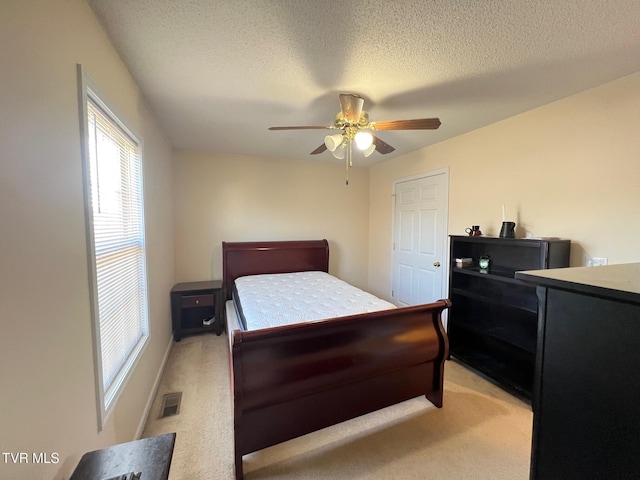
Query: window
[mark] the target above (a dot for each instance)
(114, 205)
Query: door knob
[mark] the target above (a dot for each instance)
(436, 264)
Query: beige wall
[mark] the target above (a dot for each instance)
(237, 198)
(570, 169)
(47, 389)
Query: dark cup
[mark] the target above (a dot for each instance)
(474, 231)
(508, 230)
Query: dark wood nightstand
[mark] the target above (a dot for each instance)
(196, 307)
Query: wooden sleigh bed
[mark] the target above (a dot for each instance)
(291, 380)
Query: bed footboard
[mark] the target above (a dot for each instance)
(292, 380)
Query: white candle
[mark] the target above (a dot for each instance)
(504, 216)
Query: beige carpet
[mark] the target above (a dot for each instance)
(480, 433)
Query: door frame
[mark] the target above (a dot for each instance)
(445, 234)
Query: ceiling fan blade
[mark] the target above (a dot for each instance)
(305, 127)
(382, 147)
(320, 149)
(417, 124)
(351, 107)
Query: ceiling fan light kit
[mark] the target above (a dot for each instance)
(351, 120)
(333, 141)
(369, 150)
(340, 151)
(363, 140)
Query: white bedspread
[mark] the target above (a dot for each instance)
(282, 299)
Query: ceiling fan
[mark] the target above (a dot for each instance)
(353, 120)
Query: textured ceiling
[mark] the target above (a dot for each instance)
(218, 73)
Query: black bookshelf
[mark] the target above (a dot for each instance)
(493, 321)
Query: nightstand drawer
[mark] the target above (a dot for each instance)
(189, 301)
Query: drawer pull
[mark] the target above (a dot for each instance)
(197, 300)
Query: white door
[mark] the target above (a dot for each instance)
(419, 238)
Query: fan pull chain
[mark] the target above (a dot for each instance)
(348, 162)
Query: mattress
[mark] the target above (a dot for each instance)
(271, 300)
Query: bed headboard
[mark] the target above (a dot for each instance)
(253, 258)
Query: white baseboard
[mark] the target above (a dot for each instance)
(154, 391)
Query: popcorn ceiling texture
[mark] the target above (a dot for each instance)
(219, 73)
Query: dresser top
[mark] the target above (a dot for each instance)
(617, 281)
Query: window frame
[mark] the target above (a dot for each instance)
(106, 399)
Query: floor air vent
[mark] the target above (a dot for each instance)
(170, 404)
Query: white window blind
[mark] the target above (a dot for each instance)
(117, 247)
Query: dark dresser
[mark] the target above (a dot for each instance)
(586, 421)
